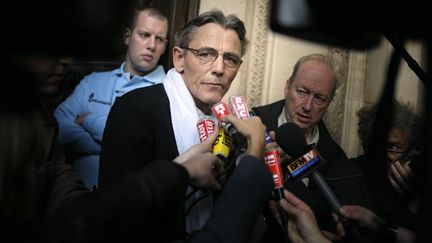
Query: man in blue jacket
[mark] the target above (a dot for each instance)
(82, 116)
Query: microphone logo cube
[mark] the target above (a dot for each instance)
(220, 110)
(305, 164)
(239, 107)
(205, 126)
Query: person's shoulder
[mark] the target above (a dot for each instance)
(269, 106)
(141, 101)
(102, 74)
(148, 94)
(98, 78)
(270, 109)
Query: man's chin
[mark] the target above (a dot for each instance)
(303, 124)
(212, 98)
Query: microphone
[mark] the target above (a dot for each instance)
(272, 162)
(238, 106)
(205, 126)
(221, 109)
(223, 143)
(291, 139)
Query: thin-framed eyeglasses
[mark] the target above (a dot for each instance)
(318, 99)
(209, 55)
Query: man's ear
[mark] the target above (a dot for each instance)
(126, 36)
(286, 90)
(178, 59)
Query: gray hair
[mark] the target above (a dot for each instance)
(317, 57)
(185, 34)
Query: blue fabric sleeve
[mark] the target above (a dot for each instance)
(95, 125)
(70, 133)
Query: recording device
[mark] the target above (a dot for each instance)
(239, 108)
(272, 162)
(291, 139)
(223, 143)
(411, 155)
(238, 141)
(205, 126)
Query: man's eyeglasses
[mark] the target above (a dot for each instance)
(209, 55)
(317, 98)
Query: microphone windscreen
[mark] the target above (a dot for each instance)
(291, 139)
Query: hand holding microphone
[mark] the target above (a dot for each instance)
(253, 130)
(270, 153)
(303, 226)
(201, 164)
(307, 159)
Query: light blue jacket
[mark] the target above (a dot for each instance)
(96, 94)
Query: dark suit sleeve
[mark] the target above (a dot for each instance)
(123, 142)
(239, 205)
(138, 131)
(137, 207)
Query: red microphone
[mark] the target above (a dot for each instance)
(238, 106)
(205, 126)
(220, 110)
(271, 155)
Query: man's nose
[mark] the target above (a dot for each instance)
(151, 43)
(218, 65)
(308, 103)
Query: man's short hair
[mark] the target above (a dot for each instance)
(318, 57)
(185, 34)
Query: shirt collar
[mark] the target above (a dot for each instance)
(153, 77)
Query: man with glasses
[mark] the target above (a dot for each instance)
(159, 122)
(403, 142)
(308, 93)
(82, 116)
(382, 194)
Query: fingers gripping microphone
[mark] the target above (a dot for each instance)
(291, 139)
(240, 109)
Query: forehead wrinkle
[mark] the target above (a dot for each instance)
(215, 36)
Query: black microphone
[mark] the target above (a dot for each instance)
(291, 139)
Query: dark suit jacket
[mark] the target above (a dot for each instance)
(328, 149)
(138, 131)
